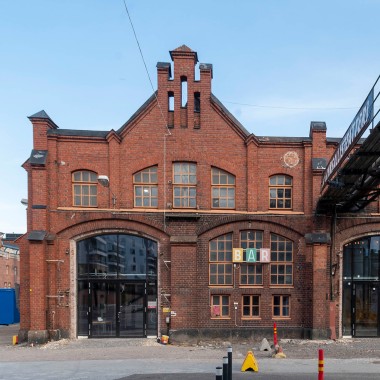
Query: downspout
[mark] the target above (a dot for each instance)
(332, 248)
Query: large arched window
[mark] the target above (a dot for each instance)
(117, 256)
(85, 188)
(146, 187)
(280, 192)
(361, 259)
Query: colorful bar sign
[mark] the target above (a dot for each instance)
(250, 255)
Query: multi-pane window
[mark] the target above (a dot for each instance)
(223, 189)
(251, 274)
(220, 306)
(85, 188)
(184, 185)
(281, 306)
(146, 187)
(280, 191)
(281, 267)
(251, 306)
(220, 258)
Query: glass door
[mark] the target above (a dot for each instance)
(131, 313)
(366, 309)
(103, 309)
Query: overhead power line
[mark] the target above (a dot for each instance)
(290, 108)
(146, 68)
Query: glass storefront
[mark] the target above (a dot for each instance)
(361, 285)
(117, 286)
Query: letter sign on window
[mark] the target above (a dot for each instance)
(251, 255)
(264, 255)
(237, 255)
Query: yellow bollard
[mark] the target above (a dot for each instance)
(15, 339)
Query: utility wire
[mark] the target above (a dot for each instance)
(159, 106)
(291, 108)
(146, 68)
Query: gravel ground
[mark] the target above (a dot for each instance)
(91, 349)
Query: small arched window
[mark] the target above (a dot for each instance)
(222, 189)
(85, 188)
(280, 192)
(146, 187)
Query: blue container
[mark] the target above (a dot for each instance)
(9, 313)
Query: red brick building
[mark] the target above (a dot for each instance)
(9, 261)
(183, 221)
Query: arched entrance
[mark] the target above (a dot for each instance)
(361, 288)
(117, 286)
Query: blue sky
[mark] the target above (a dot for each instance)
(278, 64)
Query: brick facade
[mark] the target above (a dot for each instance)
(209, 137)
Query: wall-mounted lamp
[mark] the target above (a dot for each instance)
(105, 182)
(334, 267)
(24, 201)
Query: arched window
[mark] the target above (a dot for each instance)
(220, 260)
(85, 188)
(223, 189)
(281, 267)
(280, 192)
(146, 187)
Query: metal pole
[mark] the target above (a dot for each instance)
(229, 353)
(225, 368)
(219, 373)
(320, 365)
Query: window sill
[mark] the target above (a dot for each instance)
(281, 318)
(251, 286)
(281, 287)
(251, 318)
(220, 318)
(221, 286)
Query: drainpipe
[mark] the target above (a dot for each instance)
(332, 247)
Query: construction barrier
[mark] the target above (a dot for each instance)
(250, 363)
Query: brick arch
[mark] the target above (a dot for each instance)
(356, 232)
(227, 224)
(95, 227)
